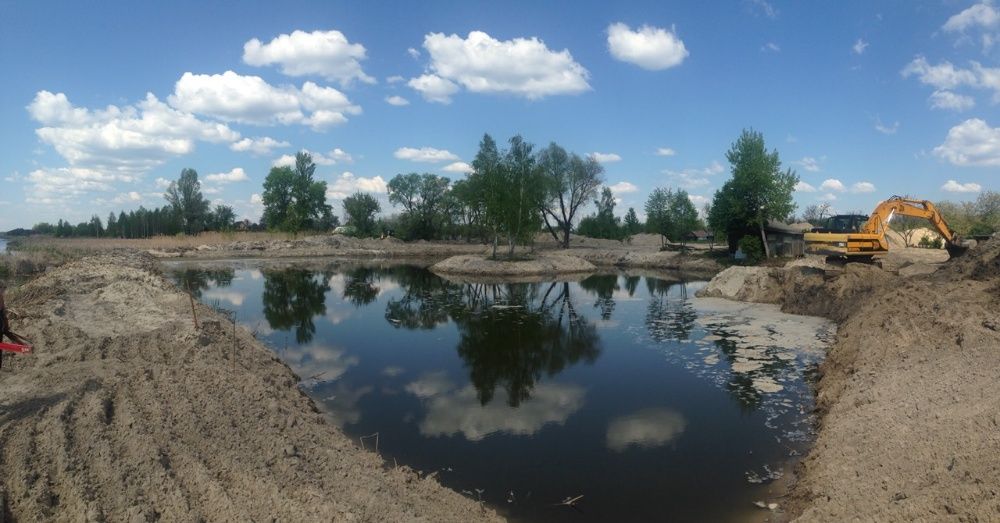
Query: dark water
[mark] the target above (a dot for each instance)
(618, 388)
(3, 245)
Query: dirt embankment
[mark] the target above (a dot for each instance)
(909, 396)
(543, 265)
(126, 412)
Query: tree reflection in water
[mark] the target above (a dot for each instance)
(359, 287)
(669, 315)
(604, 287)
(198, 281)
(292, 298)
(510, 334)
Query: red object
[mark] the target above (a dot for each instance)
(13, 347)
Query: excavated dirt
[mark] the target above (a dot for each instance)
(126, 412)
(909, 396)
(547, 265)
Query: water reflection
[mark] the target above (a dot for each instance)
(647, 428)
(604, 287)
(198, 281)
(669, 315)
(359, 287)
(292, 298)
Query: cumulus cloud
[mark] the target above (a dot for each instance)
(886, 128)
(665, 151)
(235, 175)
(859, 46)
(809, 163)
(971, 143)
(251, 100)
(395, 79)
(948, 100)
(623, 188)
(699, 201)
(832, 184)
(414, 53)
(649, 47)
(320, 53)
(482, 64)
(647, 428)
(953, 186)
(258, 146)
(457, 167)
(982, 18)
(605, 157)
(828, 197)
(804, 187)
(347, 184)
(425, 154)
(695, 178)
(162, 183)
(397, 100)
(113, 144)
(863, 187)
(335, 156)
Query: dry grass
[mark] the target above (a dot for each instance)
(156, 242)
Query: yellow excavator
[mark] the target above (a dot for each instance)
(860, 238)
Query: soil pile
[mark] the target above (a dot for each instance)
(126, 412)
(547, 265)
(909, 396)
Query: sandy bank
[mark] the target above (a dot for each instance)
(483, 266)
(126, 412)
(909, 395)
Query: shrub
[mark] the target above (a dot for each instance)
(937, 243)
(752, 248)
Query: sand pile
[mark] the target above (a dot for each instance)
(127, 413)
(546, 265)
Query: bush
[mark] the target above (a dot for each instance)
(752, 248)
(937, 243)
(924, 242)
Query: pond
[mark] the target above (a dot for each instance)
(624, 389)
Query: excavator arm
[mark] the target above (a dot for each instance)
(870, 239)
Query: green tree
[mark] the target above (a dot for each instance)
(223, 218)
(570, 181)
(487, 188)
(603, 224)
(683, 216)
(658, 213)
(425, 201)
(293, 199)
(632, 224)
(524, 195)
(360, 209)
(759, 190)
(185, 198)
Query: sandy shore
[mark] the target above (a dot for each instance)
(128, 413)
(909, 395)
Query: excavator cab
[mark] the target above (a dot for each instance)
(842, 223)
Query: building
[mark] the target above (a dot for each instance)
(784, 239)
(699, 236)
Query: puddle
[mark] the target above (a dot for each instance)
(624, 390)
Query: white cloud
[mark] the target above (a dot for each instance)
(971, 143)
(457, 167)
(235, 175)
(699, 201)
(114, 144)
(605, 157)
(415, 54)
(770, 47)
(251, 100)
(162, 183)
(886, 129)
(649, 47)
(953, 186)
(347, 184)
(623, 188)
(397, 100)
(482, 64)
(762, 7)
(982, 18)
(321, 53)
(434, 88)
(828, 197)
(395, 79)
(859, 46)
(335, 156)
(863, 187)
(945, 76)
(948, 100)
(809, 163)
(258, 146)
(804, 187)
(256, 199)
(832, 184)
(646, 428)
(695, 178)
(665, 151)
(425, 154)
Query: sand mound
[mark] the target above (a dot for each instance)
(981, 262)
(127, 413)
(752, 284)
(472, 265)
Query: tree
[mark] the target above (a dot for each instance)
(293, 200)
(361, 209)
(604, 224)
(815, 214)
(658, 213)
(223, 218)
(524, 194)
(759, 190)
(683, 216)
(186, 200)
(426, 203)
(570, 182)
(632, 225)
(487, 187)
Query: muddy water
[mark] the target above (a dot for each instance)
(625, 390)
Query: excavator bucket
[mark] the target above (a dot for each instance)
(959, 249)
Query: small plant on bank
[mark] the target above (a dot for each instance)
(751, 247)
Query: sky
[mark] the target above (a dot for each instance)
(103, 103)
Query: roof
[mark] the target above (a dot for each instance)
(782, 227)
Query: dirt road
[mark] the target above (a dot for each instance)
(127, 413)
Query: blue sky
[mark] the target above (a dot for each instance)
(103, 102)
